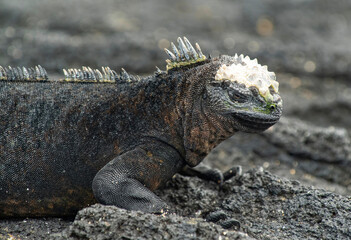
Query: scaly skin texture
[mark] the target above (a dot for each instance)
(64, 145)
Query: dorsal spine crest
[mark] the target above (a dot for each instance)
(106, 75)
(184, 55)
(38, 74)
(83, 75)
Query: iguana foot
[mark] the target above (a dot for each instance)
(211, 174)
(235, 171)
(127, 193)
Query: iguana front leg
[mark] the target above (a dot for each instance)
(129, 179)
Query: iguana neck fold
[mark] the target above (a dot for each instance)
(202, 130)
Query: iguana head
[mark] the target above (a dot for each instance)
(220, 96)
(243, 92)
(234, 91)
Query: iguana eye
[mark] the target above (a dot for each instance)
(237, 96)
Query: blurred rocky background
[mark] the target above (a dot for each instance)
(306, 42)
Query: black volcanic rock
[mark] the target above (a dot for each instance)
(257, 203)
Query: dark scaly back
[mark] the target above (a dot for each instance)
(56, 134)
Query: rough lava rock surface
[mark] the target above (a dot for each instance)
(257, 203)
(109, 222)
(297, 181)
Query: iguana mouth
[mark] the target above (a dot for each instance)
(256, 122)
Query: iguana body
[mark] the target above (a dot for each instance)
(117, 135)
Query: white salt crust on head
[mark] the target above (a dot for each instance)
(250, 73)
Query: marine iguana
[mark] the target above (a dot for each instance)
(114, 137)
